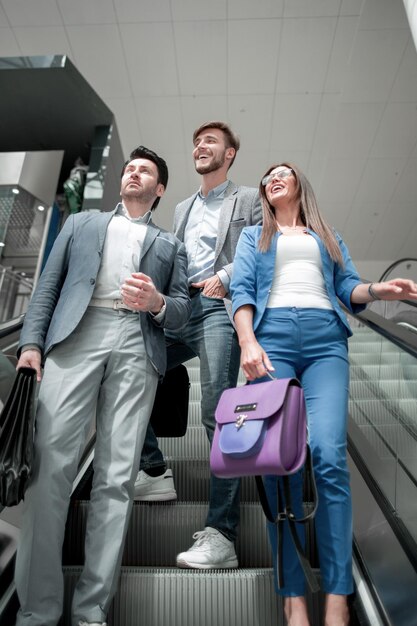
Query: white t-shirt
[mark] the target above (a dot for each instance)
(298, 279)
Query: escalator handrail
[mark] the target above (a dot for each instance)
(403, 535)
(399, 335)
(407, 341)
(391, 267)
(10, 326)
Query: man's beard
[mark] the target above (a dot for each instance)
(215, 164)
(140, 194)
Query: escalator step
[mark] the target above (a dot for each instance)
(151, 541)
(173, 597)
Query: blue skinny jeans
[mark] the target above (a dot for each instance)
(311, 344)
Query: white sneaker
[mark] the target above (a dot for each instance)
(155, 488)
(211, 550)
(92, 624)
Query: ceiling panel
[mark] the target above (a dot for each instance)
(87, 12)
(99, 57)
(341, 179)
(405, 84)
(4, 22)
(198, 10)
(34, 13)
(316, 171)
(246, 73)
(383, 14)
(131, 11)
(306, 8)
(392, 233)
(351, 7)
(40, 40)
(251, 116)
(355, 129)
(409, 247)
(372, 69)
(406, 189)
(245, 9)
(8, 43)
(325, 125)
(200, 109)
(294, 121)
(379, 180)
(161, 122)
(304, 54)
(360, 229)
(341, 51)
(336, 213)
(151, 73)
(278, 155)
(397, 134)
(202, 66)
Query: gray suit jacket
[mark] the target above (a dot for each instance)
(241, 207)
(67, 283)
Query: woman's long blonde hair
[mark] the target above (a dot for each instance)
(310, 214)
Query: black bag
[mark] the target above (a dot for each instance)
(170, 410)
(16, 437)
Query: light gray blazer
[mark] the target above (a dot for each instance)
(67, 283)
(241, 207)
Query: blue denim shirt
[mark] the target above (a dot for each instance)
(253, 273)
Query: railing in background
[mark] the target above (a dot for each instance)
(383, 417)
(406, 268)
(403, 313)
(15, 293)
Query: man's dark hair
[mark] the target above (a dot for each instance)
(144, 153)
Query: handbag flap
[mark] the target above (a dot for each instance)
(252, 402)
(242, 442)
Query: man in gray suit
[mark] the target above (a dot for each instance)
(209, 223)
(112, 284)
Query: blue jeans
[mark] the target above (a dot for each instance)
(311, 344)
(209, 335)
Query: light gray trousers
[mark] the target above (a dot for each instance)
(101, 368)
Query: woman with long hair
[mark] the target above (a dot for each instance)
(289, 277)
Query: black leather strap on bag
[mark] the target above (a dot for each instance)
(285, 512)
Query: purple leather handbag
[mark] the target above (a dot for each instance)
(260, 429)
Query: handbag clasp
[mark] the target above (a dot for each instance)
(240, 420)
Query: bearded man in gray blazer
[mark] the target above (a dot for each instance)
(209, 223)
(113, 282)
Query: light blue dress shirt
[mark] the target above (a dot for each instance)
(200, 235)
